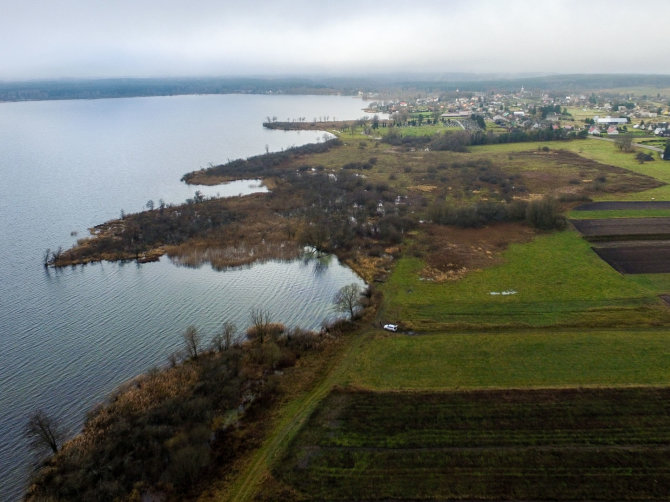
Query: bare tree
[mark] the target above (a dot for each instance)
(348, 299)
(224, 338)
(44, 432)
(624, 142)
(260, 323)
(192, 341)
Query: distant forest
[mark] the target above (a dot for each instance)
(427, 83)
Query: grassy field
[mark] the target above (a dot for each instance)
(516, 359)
(534, 445)
(606, 152)
(557, 278)
(433, 417)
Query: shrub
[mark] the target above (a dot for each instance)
(545, 214)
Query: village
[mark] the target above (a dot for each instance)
(595, 114)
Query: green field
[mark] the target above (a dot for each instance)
(534, 445)
(515, 359)
(606, 152)
(557, 278)
(492, 396)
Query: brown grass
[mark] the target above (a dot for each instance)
(451, 252)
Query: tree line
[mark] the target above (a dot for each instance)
(459, 141)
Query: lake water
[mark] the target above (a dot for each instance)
(69, 337)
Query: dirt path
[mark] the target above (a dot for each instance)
(293, 417)
(637, 145)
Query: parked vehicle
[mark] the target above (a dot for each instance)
(391, 327)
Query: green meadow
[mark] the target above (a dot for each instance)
(556, 280)
(514, 359)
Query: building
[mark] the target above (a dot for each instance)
(610, 120)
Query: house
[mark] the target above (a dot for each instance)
(594, 130)
(612, 131)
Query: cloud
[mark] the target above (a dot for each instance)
(206, 37)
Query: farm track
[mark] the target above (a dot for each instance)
(294, 416)
(636, 145)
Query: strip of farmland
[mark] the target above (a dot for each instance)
(629, 245)
(618, 229)
(624, 205)
(573, 444)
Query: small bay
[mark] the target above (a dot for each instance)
(69, 337)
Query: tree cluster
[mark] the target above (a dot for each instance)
(260, 166)
(459, 141)
(135, 234)
(543, 214)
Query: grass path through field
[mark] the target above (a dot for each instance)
(293, 416)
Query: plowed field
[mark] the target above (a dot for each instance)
(576, 444)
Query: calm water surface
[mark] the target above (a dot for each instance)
(69, 337)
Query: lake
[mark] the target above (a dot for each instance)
(68, 337)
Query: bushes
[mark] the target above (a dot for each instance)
(265, 165)
(397, 139)
(544, 214)
(474, 215)
(163, 432)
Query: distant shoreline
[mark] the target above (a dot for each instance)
(105, 88)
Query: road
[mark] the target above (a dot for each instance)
(646, 147)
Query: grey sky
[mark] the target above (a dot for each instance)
(105, 38)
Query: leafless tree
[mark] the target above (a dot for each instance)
(624, 142)
(192, 341)
(224, 338)
(348, 299)
(44, 432)
(260, 323)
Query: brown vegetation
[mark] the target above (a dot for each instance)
(168, 434)
(562, 171)
(452, 252)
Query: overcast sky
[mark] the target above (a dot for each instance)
(136, 38)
